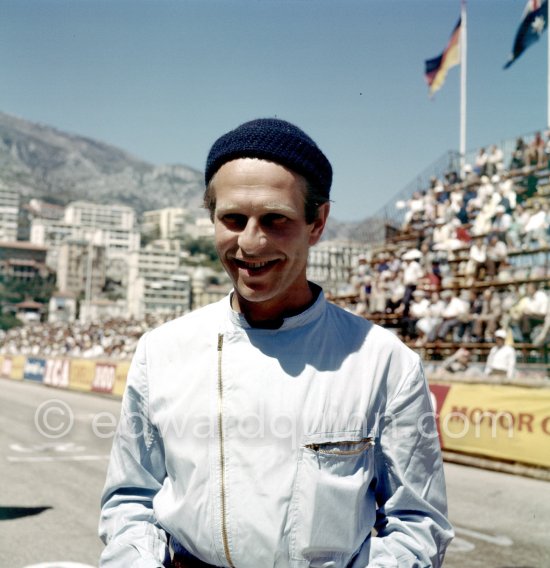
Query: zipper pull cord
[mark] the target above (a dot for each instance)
(225, 538)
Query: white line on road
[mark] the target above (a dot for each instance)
(500, 540)
(55, 458)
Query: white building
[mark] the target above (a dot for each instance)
(202, 228)
(9, 210)
(81, 269)
(157, 284)
(331, 263)
(167, 223)
(110, 226)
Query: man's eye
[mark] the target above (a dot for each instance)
(274, 219)
(234, 220)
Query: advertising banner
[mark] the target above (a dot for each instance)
(57, 373)
(503, 422)
(81, 375)
(104, 377)
(34, 369)
(13, 367)
(122, 368)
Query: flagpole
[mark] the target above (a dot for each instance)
(463, 39)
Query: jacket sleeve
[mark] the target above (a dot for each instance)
(411, 525)
(136, 472)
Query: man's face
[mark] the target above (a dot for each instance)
(262, 237)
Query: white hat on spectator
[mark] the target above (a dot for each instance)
(412, 254)
(500, 333)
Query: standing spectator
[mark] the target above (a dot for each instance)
(412, 273)
(501, 361)
(495, 160)
(535, 151)
(518, 155)
(480, 164)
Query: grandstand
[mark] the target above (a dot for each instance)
(475, 242)
(478, 237)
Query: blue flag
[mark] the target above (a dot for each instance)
(533, 23)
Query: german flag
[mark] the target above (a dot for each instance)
(437, 68)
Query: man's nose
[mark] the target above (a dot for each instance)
(252, 238)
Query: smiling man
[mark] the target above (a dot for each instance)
(273, 429)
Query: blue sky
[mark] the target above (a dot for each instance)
(163, 79)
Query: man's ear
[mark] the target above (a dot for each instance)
(318, 226)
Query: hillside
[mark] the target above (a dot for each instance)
(42, 161)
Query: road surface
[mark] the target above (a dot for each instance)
(54, 447)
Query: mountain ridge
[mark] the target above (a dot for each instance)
(44, 162)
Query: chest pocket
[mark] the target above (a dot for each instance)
(331, 512)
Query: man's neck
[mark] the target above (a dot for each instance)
(272, 318)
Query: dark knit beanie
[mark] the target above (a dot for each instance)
(277, 141)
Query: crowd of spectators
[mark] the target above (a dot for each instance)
(114, 339)
(465, 231)
(458, 232)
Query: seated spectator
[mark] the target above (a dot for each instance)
(497, 255)
(378, 294)
(501, 221)
(536, 228)
(475, 268)
(458, 362)
(516, 230)
(417, 309)
(487, 320)
(501, 361)
(469, 318)
(535, 308)
(427, 325)
(395, 295)
(485, 190)
(483, 219)
(453, 314)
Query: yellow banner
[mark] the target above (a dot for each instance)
(13, 367)
(81, 375)
(121, 373)
(503, 422)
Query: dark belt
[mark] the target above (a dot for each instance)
(188, 561)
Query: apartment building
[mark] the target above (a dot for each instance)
(9, 211)
(81, 268)
(331, 263)
(157, 284)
